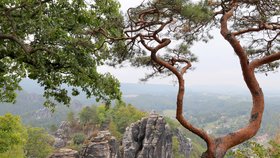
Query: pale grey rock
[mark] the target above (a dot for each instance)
(65, 153)
(59, 143)
(62, 135)
(43, 113)
(102, 146)
(185, 144)
(149, 138)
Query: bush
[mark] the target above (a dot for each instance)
(79, 138)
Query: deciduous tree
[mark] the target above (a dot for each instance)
(56, 43)
(12, 132)
(88, 115)
(39, 143)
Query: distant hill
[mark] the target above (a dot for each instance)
(30, 107)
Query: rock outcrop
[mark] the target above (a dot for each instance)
(65, 153)
(185, 144)
(62, 135)
(102, 146)
(43, 113)
(149, 138)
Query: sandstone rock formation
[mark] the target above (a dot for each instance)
(43, 113)
(148, 138)
(65, 153)
(62, 135)
(185, 145)
(102, 146)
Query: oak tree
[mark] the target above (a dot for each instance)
(53, 43)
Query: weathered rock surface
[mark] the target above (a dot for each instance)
(185, 144)
(65, 153)
(102, 146)
(62, 135)
(42, 113)
(149, 138)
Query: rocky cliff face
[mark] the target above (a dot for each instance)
(185, 145)
(102, 146)
(148, 138)
(62, 135)
(43, 113)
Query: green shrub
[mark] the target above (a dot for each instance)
(79, 138)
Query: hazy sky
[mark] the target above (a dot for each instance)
(218, 65)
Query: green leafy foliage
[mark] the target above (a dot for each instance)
(175, 148)
(196, 13)
(265, 41)
(88, 115)
(253, 149)
(39, 143)
(184, 22)
(114, 130)
(56, 43)
(274, 150)
(103, 114)
(53, 128)
(79, 138)
(123, 115)
(116, 119)
(71, 117)
(12, 132)
(15, 152)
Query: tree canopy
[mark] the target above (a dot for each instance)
(12, 132)
(56, 43)
(39, 143)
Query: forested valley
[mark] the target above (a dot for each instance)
(140, 100)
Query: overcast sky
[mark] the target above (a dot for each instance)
(217, 66)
